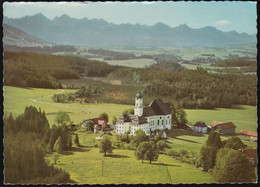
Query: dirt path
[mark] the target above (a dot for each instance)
(66, 106)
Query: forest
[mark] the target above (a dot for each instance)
(44, 71)
(168, 80)
(234, 63)
(27, 138)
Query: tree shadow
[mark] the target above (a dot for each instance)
(75, 149)
(163, 164)
(181, 132)
(60, 164)
(117, 156)
(237, 107)
(191, 141)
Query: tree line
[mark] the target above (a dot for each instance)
(27, 138)
(224, 160)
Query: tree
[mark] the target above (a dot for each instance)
(114, 120)
(55, 157)
(58, 146)
(208, 157)
(125, 138)
(233, 166)
(76, 140)
(62, 117)
(105, 146)
(141, 150)
(125, 112)
(235, 143)
(104, 115)
(131, 111)
(151, 152)
(90, 126)
(139, 137)
(214, 140)
(161, 145)
(179, 116)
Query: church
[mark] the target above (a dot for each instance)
(157, 116)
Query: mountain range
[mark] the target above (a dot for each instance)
(65, 30)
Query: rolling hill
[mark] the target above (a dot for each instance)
(19, 38)
(65, 30)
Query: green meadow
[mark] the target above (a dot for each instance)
(243, 116)
(85, 167)
(85, 163)
(16, 99)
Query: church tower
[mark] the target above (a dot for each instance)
(139, 104)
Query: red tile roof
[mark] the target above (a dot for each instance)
(223, 125)
(214, 123)
(98, 121)
(248, 133)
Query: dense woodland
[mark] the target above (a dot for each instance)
(27, 138)
(190, 88)
(44, 71)
(234, 63)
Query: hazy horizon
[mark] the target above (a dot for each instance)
(224, 16)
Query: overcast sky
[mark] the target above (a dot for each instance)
(225, 16)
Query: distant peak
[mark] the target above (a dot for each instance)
(160, 24)
(184, 25)
(39, 15)
(64, 16)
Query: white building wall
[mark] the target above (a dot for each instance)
(122, 128)
(139, 106)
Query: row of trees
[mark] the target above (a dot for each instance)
(224, 160)
(144, 148)
(26, 138)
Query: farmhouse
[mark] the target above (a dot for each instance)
(224, 127)
(98, 124)
(252, 135)
(157, 116)
(97, 121)
(200, 126)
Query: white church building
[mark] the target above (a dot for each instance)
(157, 116)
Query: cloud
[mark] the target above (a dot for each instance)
(222, 22)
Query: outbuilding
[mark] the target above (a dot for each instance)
(200, 126)
(224, 127)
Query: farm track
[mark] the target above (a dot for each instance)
(66, 106)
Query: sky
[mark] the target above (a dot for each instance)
(225, 16)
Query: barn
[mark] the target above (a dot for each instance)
(224, 127)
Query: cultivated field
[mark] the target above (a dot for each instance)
(137, 63)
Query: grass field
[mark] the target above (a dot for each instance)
(138, 63)
(16, 99)
(244, 117)
(121, 167)
(179, 139)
